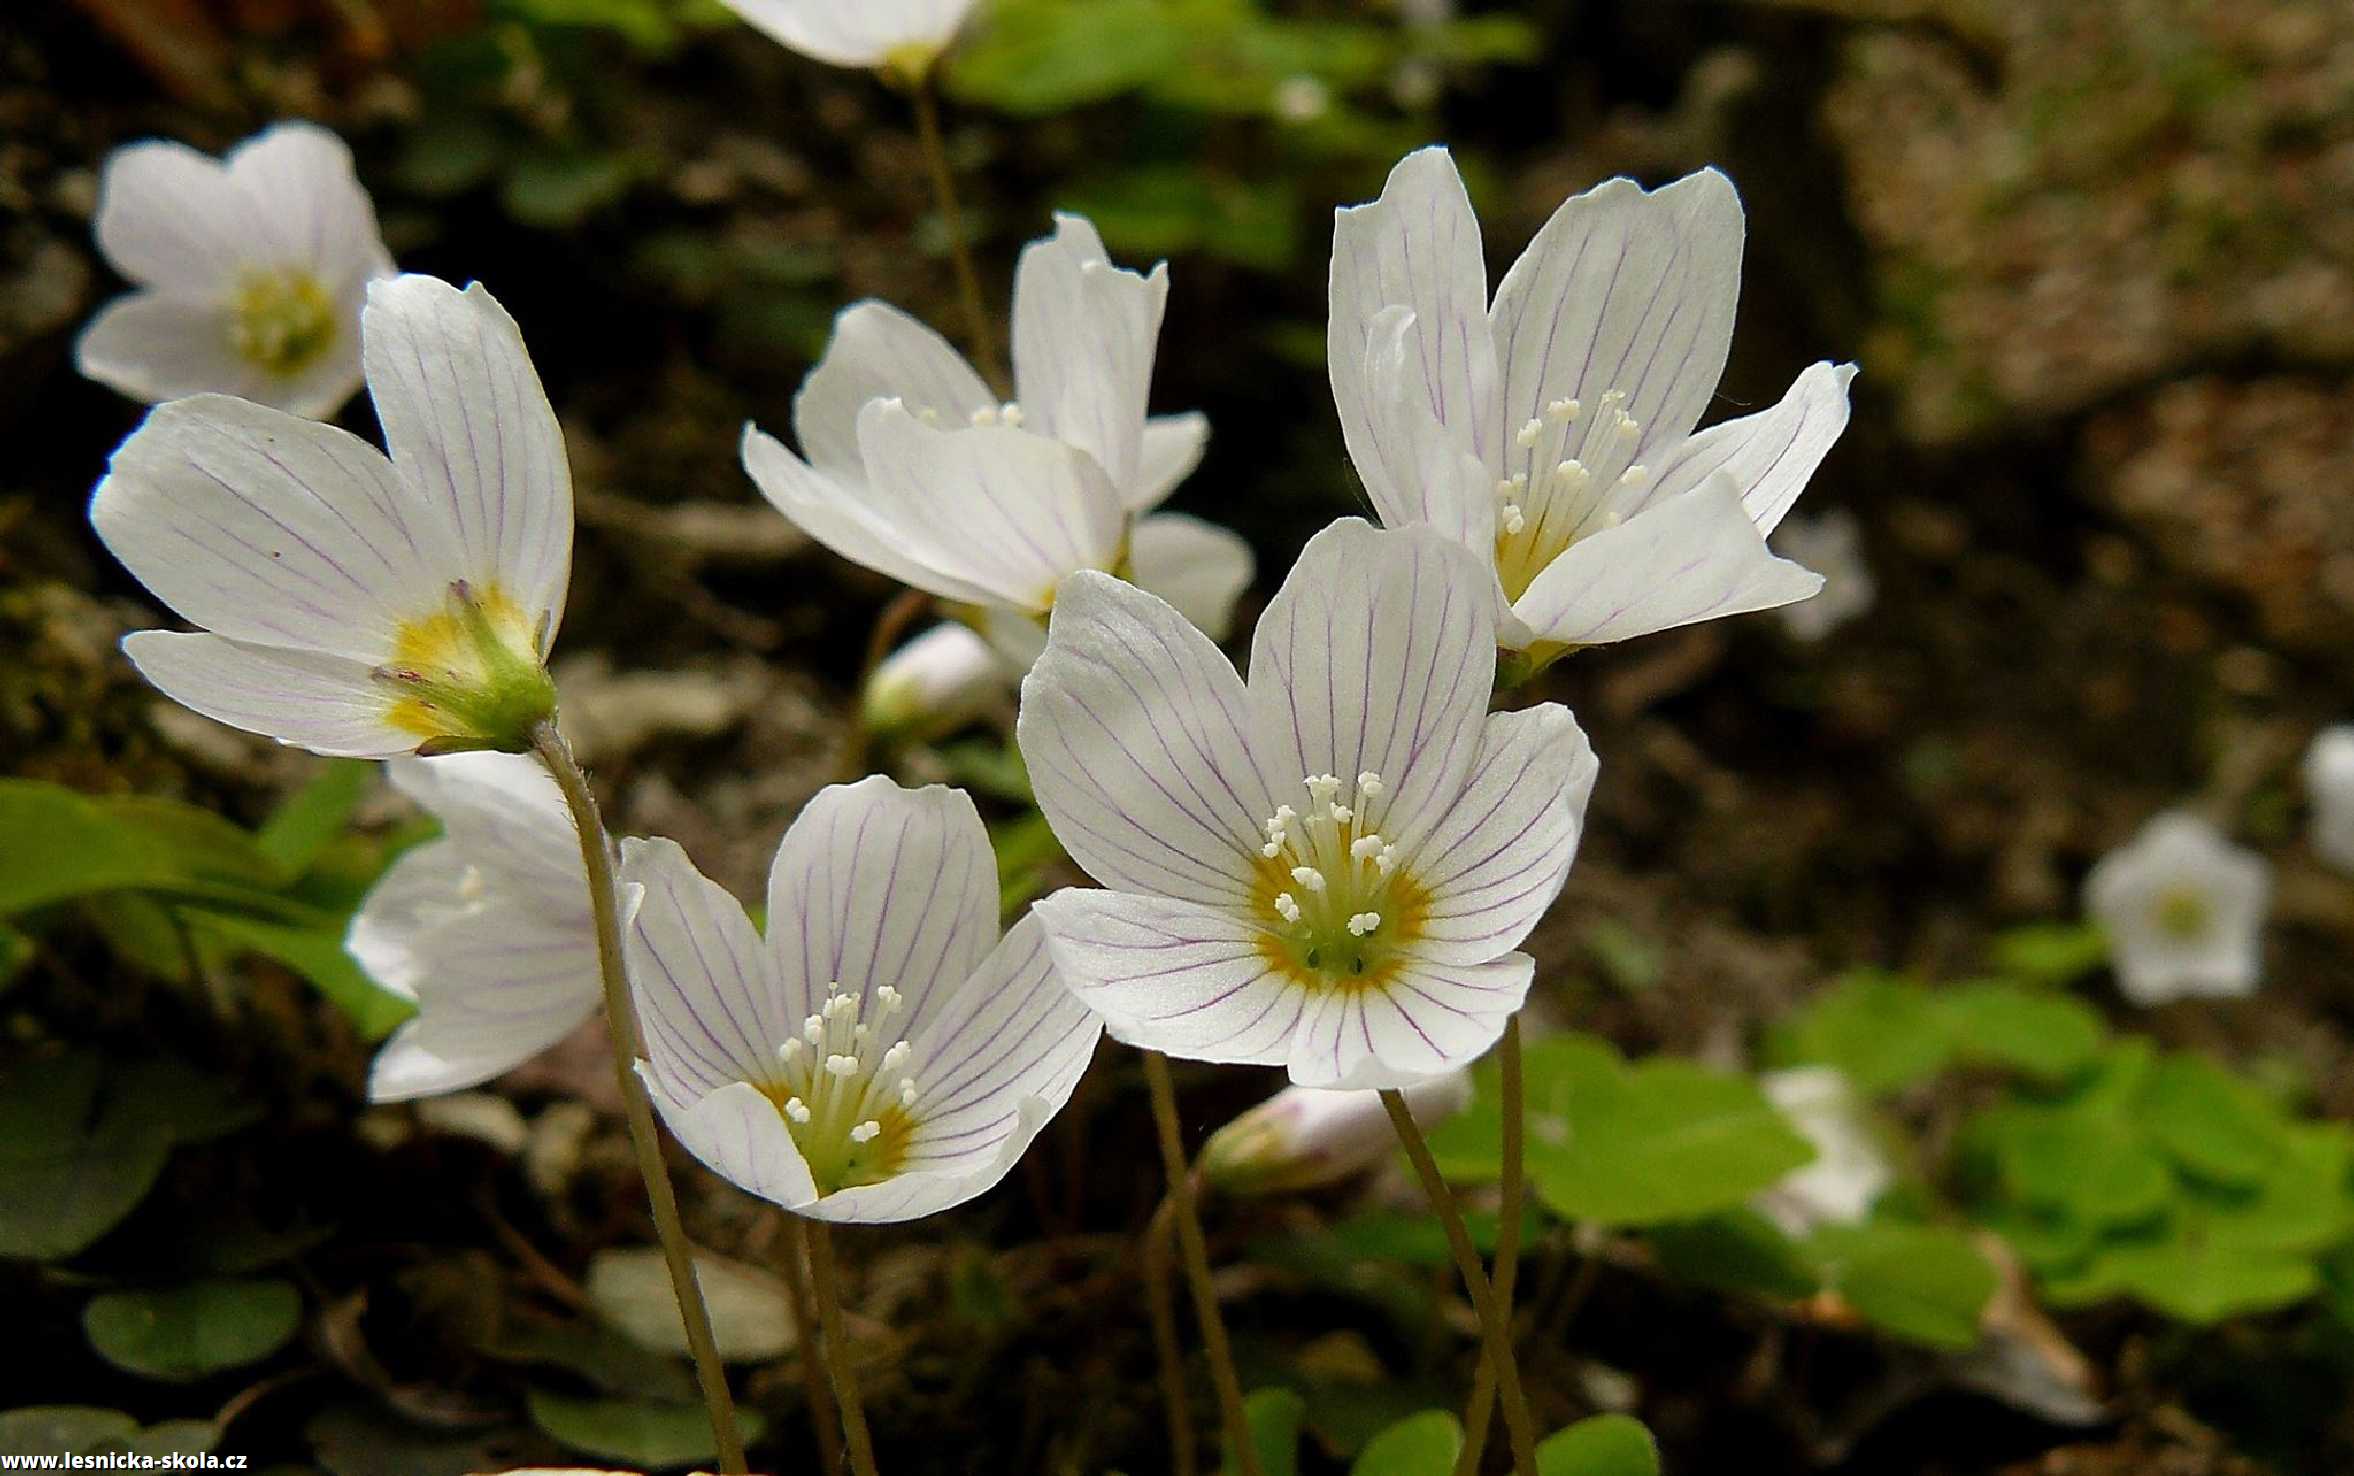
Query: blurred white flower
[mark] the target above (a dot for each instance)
(916, 471)
(1302, 99)
(2183, 909)
(1329, 868)
(249, 271)
(935, 684)
(487, 928)
(906, 36)
(2329, 788)
(1849, 1171)
(1832, 545)
(350, 603)
(1310, 1137)
(1551, 432)
(882, 1054)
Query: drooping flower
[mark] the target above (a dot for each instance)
(2329, 788)
(905, 36)
(1832, 546)
(1552, 431)
(487, 928)
(249, 271)
(934, 684)
(1309, 1137)
(882, 1054)
(1849, 1170)
(915, 470)
(2183, 909)
(1330, 868)
(350, 603)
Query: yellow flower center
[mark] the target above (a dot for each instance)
(469, 675)
(847, 1099)
(2183, 913)
(1338, 909)
(282, 321)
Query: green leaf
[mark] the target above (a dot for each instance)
(2056, 954)
(561, 189)
(50, 1430)
(2302, 1204)
(2033, 1031)
(2197, 1281)
(315, 814)
(1035, 57)
(2085, 1163)
(63, 845)
(632, 1432)
(1883, 1031)
(1424, 1444)
(1275, 1417)
(320, 958)
(16, 954)
(74, 1158)
(606, 1359)
(1606, 1445)
(187, 1332)
(1419, 1239)
(1167, 210)
(1740, 1250)
(2211, 1123)
(1920, 1282)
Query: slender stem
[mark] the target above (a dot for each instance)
(979, 335)
(1496, 1333)
(902, 612)
(1483, 1383)
(813, 1374)
(1197, 1265)
(621, 1021)
(1163, 1308)
(837, 1343)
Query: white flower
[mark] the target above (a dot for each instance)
(1308, 1137)
(352, 604)
(1552, 432)
(882, 1054)
(915, 470)
(2184, 911)
(1832, 546)
(487, 928)
(249, 270)
(905, 35)
(2329, 786)
(935, 684)
(1327, 869)
(1849, 1171)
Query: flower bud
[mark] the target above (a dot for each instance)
(933, 685)
(1309, 1137)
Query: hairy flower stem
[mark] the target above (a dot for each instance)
(980, 336)
(1483, 1384)
(805, 1327)
(1495, 1325)
(1159, 1237)
(621, 1023)
(828, 1285)
(1197, 1265)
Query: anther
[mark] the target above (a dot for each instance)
(1363, 923)
(866, 1132)
(1288, 906)
(1309, 877)
(1563, 410)
(1529, 433)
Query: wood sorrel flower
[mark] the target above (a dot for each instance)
(915, 470)
(906, 36)
(1326, 869)
(1551, 432)
(487, 928)
(1832, 545)
(1849, 1171)
(249, 269)
(882, 1054)
(2184, 910)
(2329, 788)
(1309, 1137)
(350, 603)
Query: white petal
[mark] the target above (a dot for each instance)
(878, 352)
(500, 984)
(1422, 474)
(1495, 859)
(1171, 447)
(268, 528)
(168, 217)
(1132, 725)
(423, 887)
(875, 885)
(1084, 336)
(1426, 1018)
(308, 201)
(1377, 655)
(326, 704)
(1692, 558)
(864, 33)
(154, 348)
(1175, 977)
(999, 1057)
(1768, 455)
(837, 514)
(1622, 290)
(707, 996)
(473, 435)
(1199, 568)
(737, 1133)
(1417, 247)
(508, 818)
(1005, 510)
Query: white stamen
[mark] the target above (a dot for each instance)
(842, 1065)
(1369, 784)
(1514, 521)
(986, 415)
(1342, 814)
(1529, 433)
(1288, 906)
(1363, 923)
(1636, 475)
(1365, 847)
(796, 1109)
(1011, 414)
(1572, 474)
(1563, 410)
(1309, 877)
(866, 1132)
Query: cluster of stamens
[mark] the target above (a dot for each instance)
(1333, 876)
(281, 321)
(841, 1090)
(1541, 513)
(1008, 414)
